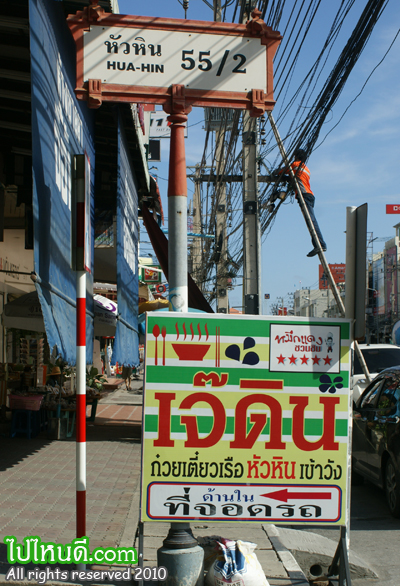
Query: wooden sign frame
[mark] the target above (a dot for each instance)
(94, 91)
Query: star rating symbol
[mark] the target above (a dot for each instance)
(292, 359)
(316, 359)
(304, 360)
(327, 360)
(281, 359)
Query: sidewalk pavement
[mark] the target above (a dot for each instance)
(37, 492)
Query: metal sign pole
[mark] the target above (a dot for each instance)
(177, 73)
(180, 554)
(177, 202)
(340, 563)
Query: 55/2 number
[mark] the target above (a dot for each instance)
(205, 64)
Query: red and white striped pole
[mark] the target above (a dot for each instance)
(80, 403)
(80, 192)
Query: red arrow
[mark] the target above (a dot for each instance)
(284, 495)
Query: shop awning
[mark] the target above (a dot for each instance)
(126, 346)
(25, 313)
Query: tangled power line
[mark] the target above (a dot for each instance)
(305, 94)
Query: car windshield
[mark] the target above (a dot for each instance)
(377, 359)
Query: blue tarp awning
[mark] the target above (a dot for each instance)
(126, 346)
(61, 127)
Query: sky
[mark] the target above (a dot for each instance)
(357, 162)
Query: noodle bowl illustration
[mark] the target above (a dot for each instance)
(189, 350)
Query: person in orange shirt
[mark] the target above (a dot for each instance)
(302, 174)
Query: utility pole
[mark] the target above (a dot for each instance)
(220, 235)
(221, 211)
(197, 244)
(251, 220)
(251, 223)
(327, 300)
(217, 11)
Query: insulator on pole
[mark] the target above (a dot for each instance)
(185, 6)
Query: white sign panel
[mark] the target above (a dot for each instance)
(245, 502)
(226, 437)
(304, 348)
(161, 58)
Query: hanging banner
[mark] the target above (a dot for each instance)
(61, 128)
(245, 419)
(126, 346)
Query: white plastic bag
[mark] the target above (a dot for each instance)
(236, 565)
(210, 544)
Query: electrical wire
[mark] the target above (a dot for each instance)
(307, 104)
(361, 90)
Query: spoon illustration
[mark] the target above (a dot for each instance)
(156, 333)
(163, 333)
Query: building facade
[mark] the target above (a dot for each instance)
(42, 127)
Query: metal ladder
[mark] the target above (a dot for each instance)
(314, 237)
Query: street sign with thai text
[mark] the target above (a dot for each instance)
(245, 418)
(134, 58)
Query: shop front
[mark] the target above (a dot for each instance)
(42, 126)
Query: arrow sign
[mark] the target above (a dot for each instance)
(285, 495)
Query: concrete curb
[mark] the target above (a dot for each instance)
(132, 521)
(314, 551)
(295, 573)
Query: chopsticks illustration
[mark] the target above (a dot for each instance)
(218, 346)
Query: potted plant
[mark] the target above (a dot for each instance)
(94, 380)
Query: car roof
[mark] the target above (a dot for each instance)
(377, 346)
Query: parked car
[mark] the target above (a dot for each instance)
(378, 357)
(376, 436)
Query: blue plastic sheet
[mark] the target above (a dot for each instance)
(61, 127)
(126, 345)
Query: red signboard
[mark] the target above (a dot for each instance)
(338, 273)
(151, 276)
(393, 208)
(140, 59)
